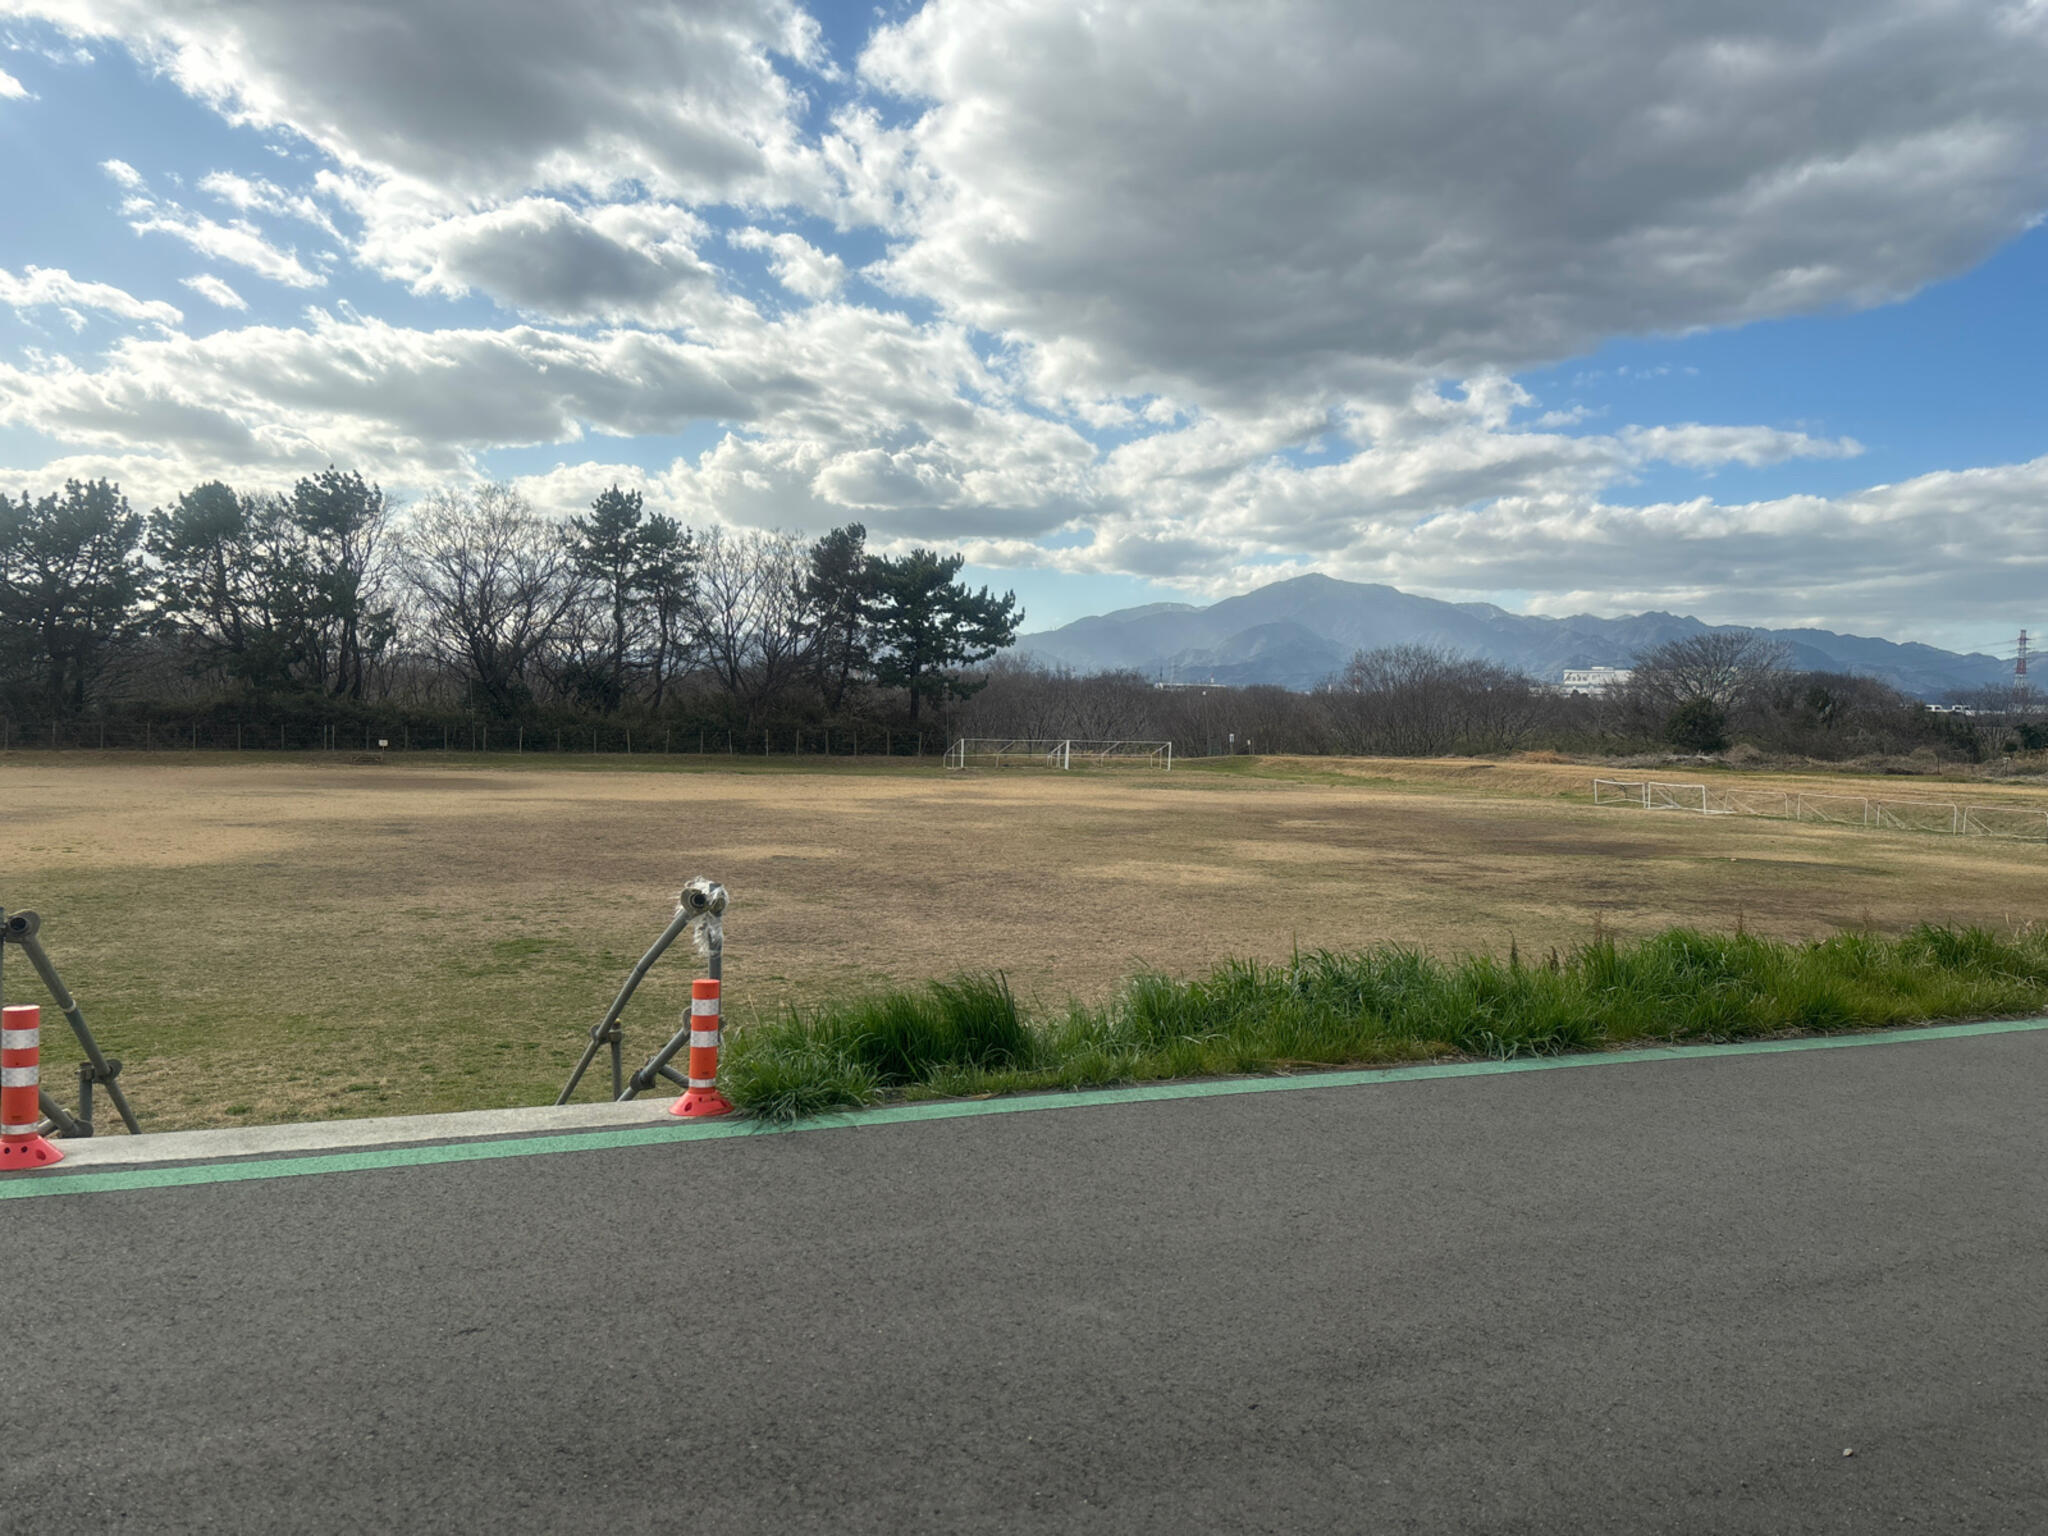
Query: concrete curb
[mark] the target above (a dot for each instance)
(325, 1135)
(648, 1120)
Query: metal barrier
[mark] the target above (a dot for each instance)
(23, 931)
(701, 910)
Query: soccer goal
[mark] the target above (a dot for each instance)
(1916, 816)
(1675, 797)
(1836, 810)
(2005, 821)
(1619, 792)
(1060, 752)
(1773, 803)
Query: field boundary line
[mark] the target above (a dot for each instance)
(113, 1180)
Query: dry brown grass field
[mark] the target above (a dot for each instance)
(287, 938)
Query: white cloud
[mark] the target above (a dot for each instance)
(632, 262)
(490, 101)
(214, 291)
(1703, 447)
(48, 286)
(480, 145)
(797, 264)
(1185, 196)
(258, 195)
(842, 412)
(11, 89)
(239, 242)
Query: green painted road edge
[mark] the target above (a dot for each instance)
(31, 1185)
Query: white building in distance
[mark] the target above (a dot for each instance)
(1594, 679)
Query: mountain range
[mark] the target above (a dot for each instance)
(1296, 633)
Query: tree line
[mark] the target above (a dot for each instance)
(469, 609)
(1704, 694)
(470, 602)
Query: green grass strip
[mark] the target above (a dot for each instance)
(24, 1186)
(1384, 1005)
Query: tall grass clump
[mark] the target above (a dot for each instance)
(850, 1052)
(1380, 1005)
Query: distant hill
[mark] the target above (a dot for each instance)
(1296, 633)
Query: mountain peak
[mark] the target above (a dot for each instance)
(1298, 631)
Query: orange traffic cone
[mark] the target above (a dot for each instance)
(703, 1097)
(21, 1058)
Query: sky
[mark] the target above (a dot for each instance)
(1735, 310)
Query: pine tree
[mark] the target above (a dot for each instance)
(839, 589)
(928, 625)
(71, 586)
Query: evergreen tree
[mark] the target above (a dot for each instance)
(609, 547)
(233, 583)
(928, 626)
(667, 583)
(71, 586)
(343, 519)
(839, 589)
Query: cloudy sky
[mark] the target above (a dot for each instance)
(1735, 308)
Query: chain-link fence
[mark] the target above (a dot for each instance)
(368, 732)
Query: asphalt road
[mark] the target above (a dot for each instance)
(1655, 1297)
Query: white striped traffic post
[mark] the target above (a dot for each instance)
(703, 1097)
(22, 1144)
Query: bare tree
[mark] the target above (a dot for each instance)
(1723, 667)
(751, 619)
(1421, 701)
(493, 586)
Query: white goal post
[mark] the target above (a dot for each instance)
(1620, 792)
(1675, 797)
(1949, 817)
(1062, 752)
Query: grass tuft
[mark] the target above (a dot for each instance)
(848, 1053)
(1381, 1005)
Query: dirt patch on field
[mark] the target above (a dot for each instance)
(281, 939)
